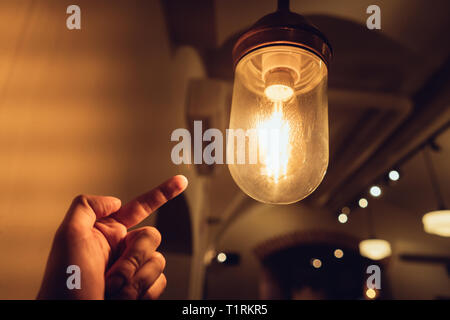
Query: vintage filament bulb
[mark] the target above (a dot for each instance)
(280, 102)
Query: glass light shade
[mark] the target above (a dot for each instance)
(437, 222)
(280, 102)
(375, 249)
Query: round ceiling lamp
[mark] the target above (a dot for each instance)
(375, 249)
(437, 222)
(277, 145)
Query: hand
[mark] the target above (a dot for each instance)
(93, 236)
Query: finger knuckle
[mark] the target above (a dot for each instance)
(135, 260)
(81, 199)
(143, 206)
(160, 261)
(152, 233)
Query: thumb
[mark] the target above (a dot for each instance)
(86, 209)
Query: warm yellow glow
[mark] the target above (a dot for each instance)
(363, 203)
(371, 293)
(279, 92)
(375, 249)
(221, 257)
(342, 218)
(209, 256)
(283, 88)
(273, 143)
(345, 210)
(338, 253)
(375, 191)
(437, 222)
(316, 263)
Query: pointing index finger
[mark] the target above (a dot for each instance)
(140, 208)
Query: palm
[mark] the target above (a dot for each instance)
(99, 249)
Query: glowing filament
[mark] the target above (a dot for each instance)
(273, 142)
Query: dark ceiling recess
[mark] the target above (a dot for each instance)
(417, 258)
(430, 117)
(174, 222)
(192, 23)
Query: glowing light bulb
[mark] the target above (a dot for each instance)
(437, 222)
(363, 203)
(342, 218)
(371, 293)
(277, 147)
(273, 141)
(316, 263)
(221, 257)
(375, 249)
(279, 92)
(375, 191)
(279, 82)
(394, 175)
(338, 253)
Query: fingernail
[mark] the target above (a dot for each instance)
(184, 181)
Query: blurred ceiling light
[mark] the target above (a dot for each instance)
(221, 257)
(375, 191)
(394, 175)
(209, 256)
(338, 253)
(342, 218)
(437, 222)
(363, 203)
(316, 263)
(371, 293)
(375, 249)
(345, 210)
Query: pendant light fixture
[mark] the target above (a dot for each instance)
(373, 248)
(278, 150)
(436, 222)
